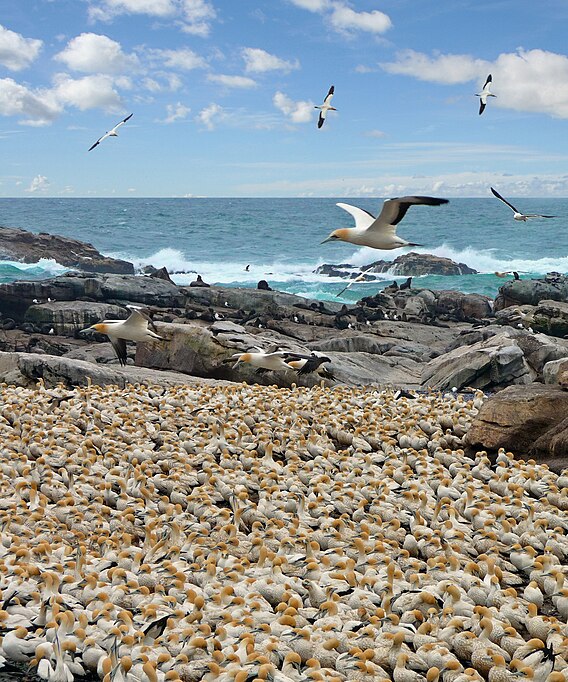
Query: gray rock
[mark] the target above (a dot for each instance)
(68, 317)
(553, 369)
(550, 317)
(25, 369)
(532, 291)
(16, 297)
(29, 247)
(490, 364)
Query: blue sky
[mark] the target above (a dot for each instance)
(223, 95)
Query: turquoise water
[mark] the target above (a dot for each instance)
(280, 239)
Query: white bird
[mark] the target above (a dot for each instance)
(111, 133)
(484, 94)
(325, 107)
(262, 360)
(517, 215)
(380, 233)
(360, 278)
(135, 328)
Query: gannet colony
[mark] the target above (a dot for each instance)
(240, 533)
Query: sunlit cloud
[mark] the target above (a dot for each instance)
(17, 52)
(210, 116)
(94, 53)
(176, 112)
(33, 107)
(39, 184)
(260, 61)
(232, 81)
(296, 111)
(526, 80)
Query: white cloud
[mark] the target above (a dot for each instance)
(176, 112)
(171, 82)
(39, 184)
(343, 18)
(526, 80)
(232, 81)
(210, 115)
(297, 112)
(312, 5)
(94, 53)
(108, 9)
(441, 68)
(88, 92)
(184, 59)
(197, 15)
(259, 61)
(37, 108)
(193, 16)
(17, 52)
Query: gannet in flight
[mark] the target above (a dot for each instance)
(380, 233)
(325, 107)
(110, 133)
(305, 364)
(262, 360)
(484, 94)
(516, 214)
(135, 328)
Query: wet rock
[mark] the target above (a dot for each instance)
(29, 247)
(532, 291)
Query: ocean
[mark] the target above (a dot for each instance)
(280, 239)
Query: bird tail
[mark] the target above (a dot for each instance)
(412, 244)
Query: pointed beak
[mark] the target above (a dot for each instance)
(328, 239)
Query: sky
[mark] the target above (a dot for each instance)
(223, 96)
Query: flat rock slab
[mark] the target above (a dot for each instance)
(529, 421)
(25, 369)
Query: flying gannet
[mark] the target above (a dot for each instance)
(134, 328)
(110, 133)
(517, 215)
(380, 232)
(325, 107)
(484, 94)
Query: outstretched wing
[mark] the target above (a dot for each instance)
(394, 210)
(321, 118)
(363, 219)
(482, 106)
(496, 193)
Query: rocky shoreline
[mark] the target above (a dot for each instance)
(403, 338)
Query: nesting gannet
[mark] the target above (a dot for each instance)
(135, 328)
(325, 107)
(380, 232)
(484, 94)
(517, 215)
(110, 133)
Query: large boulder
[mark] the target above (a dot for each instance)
(550, 317)
(29, 247)
(529, 421)
(493, 363)
(532, 291)
(416, 264)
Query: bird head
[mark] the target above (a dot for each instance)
(100, 327)
(338, 235)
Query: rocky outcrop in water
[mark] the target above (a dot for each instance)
(29, 247)
(409, 264)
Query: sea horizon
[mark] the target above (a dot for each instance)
(280, 239)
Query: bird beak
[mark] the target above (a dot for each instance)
(329, 239)
(88, 329)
